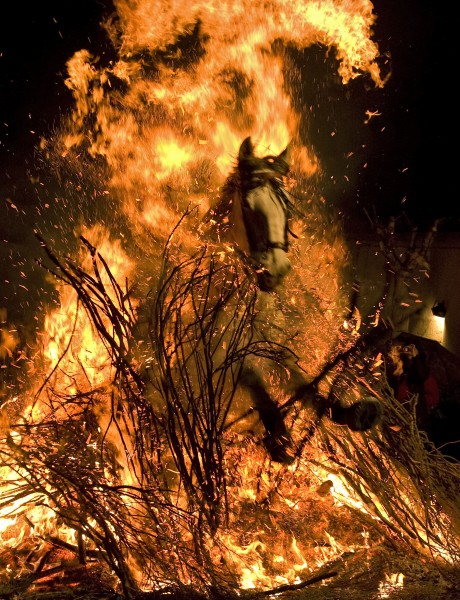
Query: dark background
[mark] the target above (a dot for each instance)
(36, 40)
(400, 163)
(35, 43)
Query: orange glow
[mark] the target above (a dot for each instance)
(168, 136)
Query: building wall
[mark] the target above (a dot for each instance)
(442, 284)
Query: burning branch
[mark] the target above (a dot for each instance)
(199, 328)
(146, 469)
(403, 267)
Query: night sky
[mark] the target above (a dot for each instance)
(407, 150)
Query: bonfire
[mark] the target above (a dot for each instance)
(132, 465)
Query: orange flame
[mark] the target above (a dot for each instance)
(169, 134)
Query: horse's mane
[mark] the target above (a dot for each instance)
(224, 220)
(221, 210)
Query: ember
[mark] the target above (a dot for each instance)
(130, 458)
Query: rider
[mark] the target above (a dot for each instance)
(412, 376)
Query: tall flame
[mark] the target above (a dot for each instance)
(165, 119)
(194, 79)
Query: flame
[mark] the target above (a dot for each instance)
(392, 582)
(8, 337)
(170, 119)
(166, 118)
(69, 337)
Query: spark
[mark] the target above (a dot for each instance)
(370, 115)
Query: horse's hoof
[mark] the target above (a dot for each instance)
(363, 415)
(280, 449)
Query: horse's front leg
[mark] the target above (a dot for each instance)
(278, 440)
(359, 416)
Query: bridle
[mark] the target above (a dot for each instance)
(281, 196)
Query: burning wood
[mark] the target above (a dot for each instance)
(129, 453)
(166, 490)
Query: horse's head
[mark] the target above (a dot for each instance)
(265, 208)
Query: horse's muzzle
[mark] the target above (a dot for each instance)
(268, 281)
(273, 267)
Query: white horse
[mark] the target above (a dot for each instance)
(254, 214)
(251, 220)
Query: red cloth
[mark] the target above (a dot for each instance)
(431, 393)
(403, 392)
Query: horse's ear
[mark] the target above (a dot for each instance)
(246, 149)
(286, 154)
